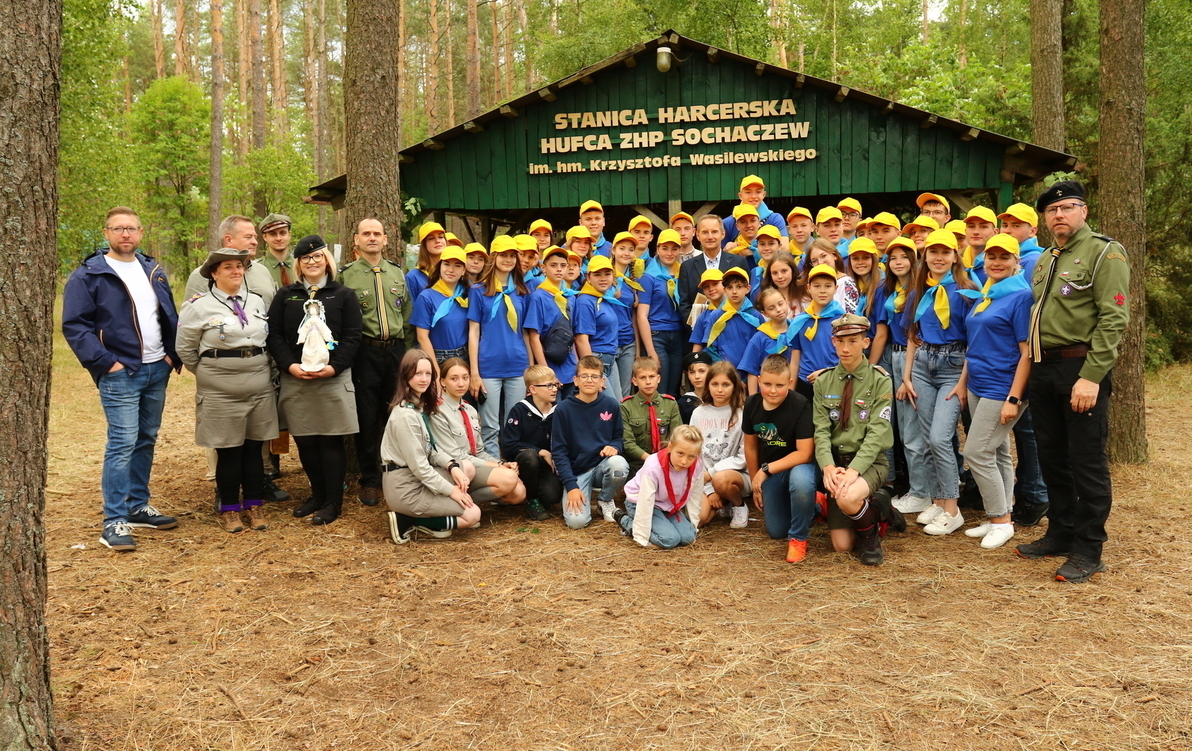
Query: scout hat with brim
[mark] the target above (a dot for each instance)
(216, 257)
(273, 221)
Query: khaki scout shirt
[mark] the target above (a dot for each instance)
(635, 417)
(270, 262)
(869, 432)
(1086, 302)
(210, 322)
(385, 302)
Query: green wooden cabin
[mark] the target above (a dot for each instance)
(673, 123)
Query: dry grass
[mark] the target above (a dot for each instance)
(520, 636)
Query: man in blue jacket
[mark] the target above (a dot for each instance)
(118, 317)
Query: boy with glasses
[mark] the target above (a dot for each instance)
(525, 439)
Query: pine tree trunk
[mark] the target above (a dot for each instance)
(1047, 73)
(450, 65)
(777, 25)
(159, 40)
(30, 66)
(215, 194)
(243, 79)
(431, 73)
(404, 58)
(309, 79)
(260, 122)
(181, 56)
(498, 96)
(472, 75)
(508, 39)
(321, 130)
(1122, 210)
(277, 53)
(962, 33)
(926, 12)
(370, 87)
(524, 24)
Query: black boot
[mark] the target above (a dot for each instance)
(274, 493)
(327, 514)
(886, 512)
(869, 542)
(309, 506)
(274, 470)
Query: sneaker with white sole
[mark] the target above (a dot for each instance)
(118, 536)
(723, 511)
(945, 523)
(740, 518)
(929, 514)
(999, 535)
(147, 517)
(978, 531)
(608, 509)
(911, 504)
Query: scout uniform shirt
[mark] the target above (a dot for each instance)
(1080, 292)
(641, 434)
(868, 432)
(276, 267)
(385, 305)
(220, 328)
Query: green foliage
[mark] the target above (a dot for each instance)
(282, 173)
(171, 127)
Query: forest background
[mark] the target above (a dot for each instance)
(139, 82)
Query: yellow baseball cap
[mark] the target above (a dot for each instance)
(555, 250)
(525, 242)
(862, 245)
(454, 254)
(711, 275)
(955, 226)
(591, 206)
(453, 240)
(1005, 242)
(862, 224)
(769, 230)
(800, 211)
(538, 224)
(428, 228)
(624, 237)
(579, 231)
(941, 237)
(823, 270)
(828, 213)
(600, 263)
(925, 197)
(849, 203)
(1022, 213)
(982, 214)
(639, 220)
(682, 215)
(669, 236)
(503, 244)
(901, 242)
(736, 271)
(471, 248)
(887, 219)
(745, 209)
(751, 180)
(922, 222)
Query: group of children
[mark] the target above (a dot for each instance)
(811, 348)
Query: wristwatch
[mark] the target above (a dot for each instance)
(766, 468)
(453, 465)
(1013, 400)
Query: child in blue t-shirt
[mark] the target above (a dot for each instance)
(658, 319)
(440, 317)
(595, 321)
(810, 334)
(627, 269)
(736, 322)
(769, 338)
(546, 305)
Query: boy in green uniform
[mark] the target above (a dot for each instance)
(649, 418)
(851, 409)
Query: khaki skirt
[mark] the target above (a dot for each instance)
(234, 401)
(323, 406)
(405, 494)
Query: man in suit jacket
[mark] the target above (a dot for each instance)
(710, 234)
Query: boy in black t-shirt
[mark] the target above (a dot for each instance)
(779, 441)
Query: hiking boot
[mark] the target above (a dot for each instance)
(886, 511)
(1044, 547)
(871, 551)
(607, 510)
(796, 551)
(308, 507)
(535, 511)
(118, 536)
(1078, 569)
(740, 517)
(399, 529)
(1029, 514)
(256, 517)
(149, 518)
(274, 493)
(230, 521)
(370, 496)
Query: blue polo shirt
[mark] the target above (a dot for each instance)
(601, 247)
(541, 314)
(817, 353)
(451, 332)
(598, 321)
(733, 340)
(896, 322)
(993, 338)
(625, 325)
(699, 332)
(1029, 253)
(664, 311)
(758, 350)
(930, 330)
(502, 351)
(416, 281)
(875, 310)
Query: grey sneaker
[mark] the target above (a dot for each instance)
(118, 536)
(148, 517)
(1078, 569)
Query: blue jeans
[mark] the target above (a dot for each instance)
(669, 347)
(503, 393)
(612, 378)
(935, 373)
(789, 502)
(665, 532)
(626, 353)
(612, 473)
(1030, 487)
(132, 404)
(914, 440)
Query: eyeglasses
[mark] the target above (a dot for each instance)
(551, 386)
(590, 377)
(312, 258)
(850, 214)
(123, 230)
(1065, 209)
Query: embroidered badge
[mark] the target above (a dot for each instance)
(1066, 290)
(864, 414)
(1119, 298)
(885, 414)
(606, 416)
(834, 415)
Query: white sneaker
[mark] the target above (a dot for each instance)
(929, 514)
(998, 535)
(740, 516)
(945, 523)
(911, 504)
(607, 509)
(979, 531)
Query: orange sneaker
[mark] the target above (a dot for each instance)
(796, 551)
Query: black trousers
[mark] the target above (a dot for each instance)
(1072, 455)
(374, 374)
(540, 480)
(236, 468)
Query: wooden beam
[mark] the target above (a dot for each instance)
(658, 221)
(842, 93)
(631, 62)
(888, 108)
(405, 159)
(547, 95)
(473, 127)
(799, 81)
(970, 134)
(927, 123)
(431, 143)
(674, 39)
(508, 111)
(713, 55)
(588, 80)
(705, 209)
(760, 69)
(1017, 148)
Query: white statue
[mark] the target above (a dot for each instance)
(315, 337)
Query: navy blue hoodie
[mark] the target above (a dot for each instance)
(579, 433)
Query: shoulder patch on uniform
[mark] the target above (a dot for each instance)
(887, 395)
(196, 297)
(1099, 236)
(1116, 255)
(668, 396)
(627, 398)
(881, 370)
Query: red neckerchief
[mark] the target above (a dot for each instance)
(664, 461)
